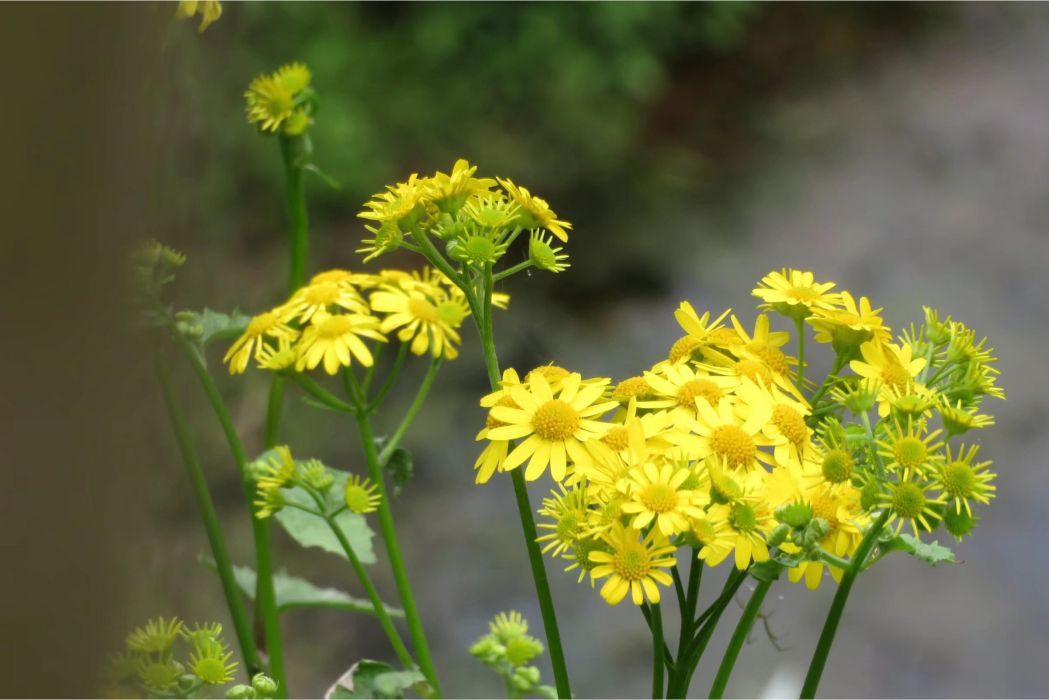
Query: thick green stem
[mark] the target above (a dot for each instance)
(413, 410)
(668, 656)
(688, 615)
(295, 196)
(728, 661)
(657, 651)
(265, 597)
(830, 627)
(373, 596)
(393, 550)
(223, 564)
(273, 410)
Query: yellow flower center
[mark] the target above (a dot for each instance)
(733, 444)
(210, 670)
(682, 347)
(358, 499)
(908, 501)
(837, 466)
(910, 452)
(705, 388)
(631, 562)
(451, 313)
(631, 387)
(555, 420)
(743, 518)
(262, 324)
(423, 310)
(775, 359)
(958, 480)
(617, 438)
(320, 294)
(658, 498)
(802, 294)
(754, 371)
(551, 373)
(790, 423)
(895, 376)
(826, 507)
(334, 327)
(722, 336)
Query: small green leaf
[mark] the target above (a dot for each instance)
(767, 570)
(932, 553)
(400, 467)
(373, 679)
(312, 531)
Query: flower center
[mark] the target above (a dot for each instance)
(754, 370)
(659, 498)
(682, 347)
(582, 554)
(908, 501)
(210, 670)
(631, 387)
(801, 293)
(357, 499)
(826, 507)
(722, 336)
(567, 527)
(334, 327)
(743, 518)
(551, 373)
(705, 388)
(261, 324)
(895, 376)
(451, 313)
(555, 420)
(958, 480)
(631, 562)
(910, 452)
(733, 444)
(837, 466)
(775, 359)
(423, 310)
(320, 294)
(617, 438)
(790, 423)
(480, 248)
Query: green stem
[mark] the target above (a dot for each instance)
(393, 550)
(839, 362)
(373, 595)
(265, 596)
(801, 354)
(695, 574)
(321, 394)
(657, 650)
(668, 656)
(524, 506)
(728, 662)
(273, 410)
(387, 384)
(223, 564)
(413, 410)
(512, 270)
(295, 195)
(830, 627)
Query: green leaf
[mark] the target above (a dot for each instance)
(311, 531)
(294, 592)
(218, 326)
(931, 553)
(374, 679)
(400, 467)
(767, 570)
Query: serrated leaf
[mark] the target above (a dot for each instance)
(218, 326)
(312, 531)
(401, 468)
(373, 679)
(294, 592)
(931, 553)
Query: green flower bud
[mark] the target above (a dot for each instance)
(241, 692)
(795, 515)
(525, 678)
(264, 685)
(521, 650)
(779, 535)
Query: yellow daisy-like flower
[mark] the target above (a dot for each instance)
(211, 662)
(361, 495)
(765, 345)
(716, 539)
(209, 11)
(555, 425)
(635, 565)
(401, 205)
(786, 427)
(450, 192)
(958, 418)
(156, 637)
(660, 493)
(795, 293)
(722, 433)
(269, 102)
(326, 296)
(701, 329)
(295, 77)
(910, 449)
(679, 387)
(271, 324)
(747, 523)
(891, 365)
(417, 319)
(568, 510)
(535, 212)
(335, 339)
(962, 479)
(909, 500)
(847, 327)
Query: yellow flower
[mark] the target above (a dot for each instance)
(635, 565)
(535, 212)
(716, 539)
(156, 637)
(680, 387)
(450, 192)
(847, 327)
(268, 325)
(415, 315)
(295, 77)
(765, 345)
(278, 472)
(908, 500)
(747, 522)
(962, 480)
(209, 11)
(334, 339)
(795, 293)
(786, 427)
(700, 328)
(210, 662)
(269, 102)
(325, 296)
(361, 495)
(910, 449)
(568, 510)
(555, 425)
(401, 205)
(840, 509)
(890, 365)
(721, 432)
(959, 419)
(545, 255)
(661, 494)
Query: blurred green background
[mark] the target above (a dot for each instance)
(900, 150)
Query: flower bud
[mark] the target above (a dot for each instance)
(263, 685)
(241, 692)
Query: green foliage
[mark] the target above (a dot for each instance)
(374, 679)
(312, 531)
(931, 553)
(401, 468)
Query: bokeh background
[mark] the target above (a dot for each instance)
(900, 150)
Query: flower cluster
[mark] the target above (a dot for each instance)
(508, 650)
(151, 661)
(276, 473)
(725, 449)
(327, 322)
(282, 101)
(477, 219)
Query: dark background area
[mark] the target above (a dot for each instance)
(900, 150)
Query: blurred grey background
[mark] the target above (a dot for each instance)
(900, 150)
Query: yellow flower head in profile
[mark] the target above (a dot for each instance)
(568, 511)
(850, 325)
(269, 325)
(335, 340)
(401, 205)
(795, 293)
(535, 212)
(271, 99)
(554, 424)
(634, 565)
(361, 495)
(700, 329)
(212, 662)
(156, 637)
(209, 11)
(893, 366)
(415, 313)
(449, 192)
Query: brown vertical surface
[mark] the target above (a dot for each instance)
(75, 126)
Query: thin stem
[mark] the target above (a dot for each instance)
(695, 574)
(512, 270)
(295, 196)
(801, 353)
(265, 596)
(370, 374)
(657, 650)
(393, 550)
(413, 410)
(839, 362)
(387, 384)
(373, 595)
(223, 564)
(668, 656)
(841, 596)
(273, 410)
(728, 661)
(321, 394)
(524, 506)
